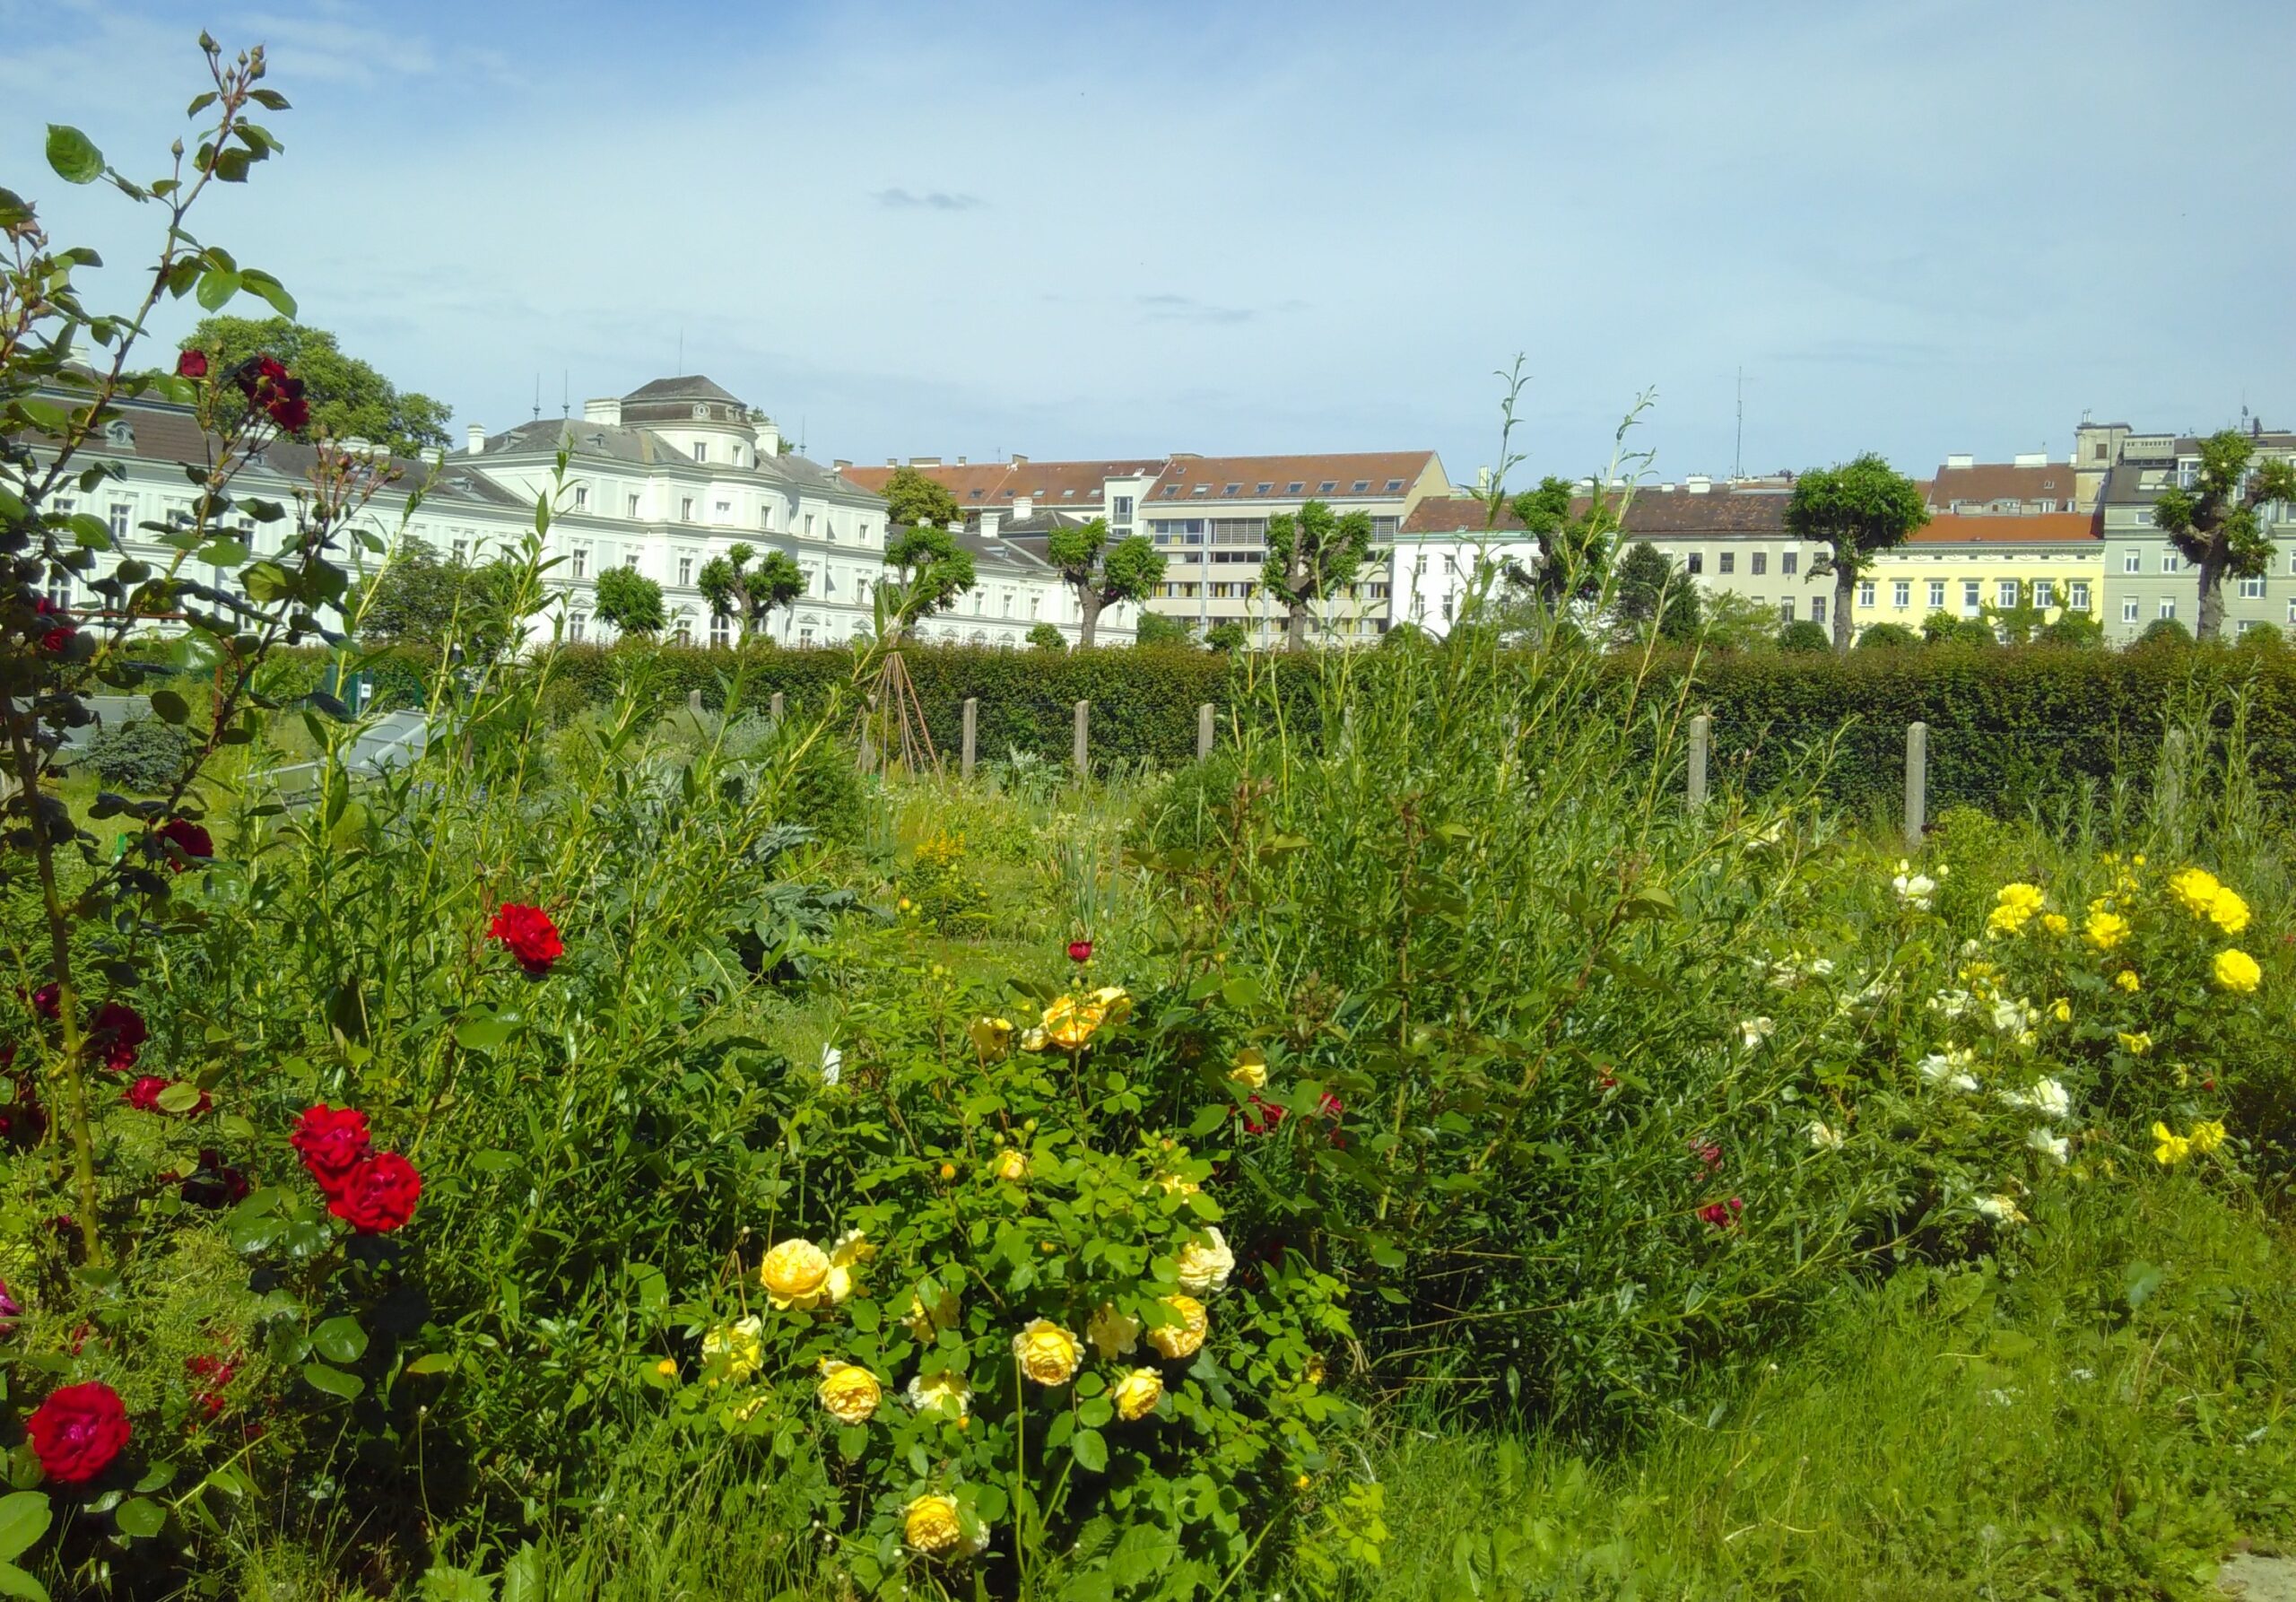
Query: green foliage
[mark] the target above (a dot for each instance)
(349, 398)
(1230, 636)
(1943, 628)
(416, 598)
(913, 500)
(1157, 629)
(932, 569)
(2215, 524)
(731, 588)
(1737, 623)
(1575, 542)
(1855, 511)
(143, 755)
(1101, 576)
(1804, 637)
(629, 601)
(2164, 631)
(1047, 636)
(1312, 556)
(1879, 637)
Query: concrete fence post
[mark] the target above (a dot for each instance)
(694, 700)
(1917, 782)
(2172, 779)
(1203, 730)
(1083, 738)
(1701, 734)
(776, 706)
(972, 727)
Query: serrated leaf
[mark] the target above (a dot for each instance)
(340, 1340)
(73, 155)
(141, 1517)
(1092, 1451)
(334, 1382)
(24, 1517)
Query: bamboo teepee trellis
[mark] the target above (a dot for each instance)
(893, 724)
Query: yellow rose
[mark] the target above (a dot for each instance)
(946, 1392)
(1250, 1070)
(667, 1368)
(2014, 908)
(1032, 1040)
(2227, 910)
(1071, 1021)
(1181, 1339)
(924, 1322)
(742, 1344)
(2170, 1149)
(849, 1392)
(1203, 1265)
(2061, 1009)
(851, 1248)
(2127, 980)
(2237, 971)
(1112, 1334)
(932, 1526)
(1011, 1163)
(2136, 1045)
(2056, 923)
(1138, 1394)
(1114, 1005)
(2207, 1135)
(991, 1037)
(795, 1273)
(2105, 930)
(1049, 1355)
(2197, 888)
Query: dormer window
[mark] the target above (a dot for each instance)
(701, 451)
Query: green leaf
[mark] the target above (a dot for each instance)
(1091, 1450)
(482, 1029)
(15, 1582)
(271, 290)
(141, 1517)
(77, 160)
(432, 1362)
(24, 1517)
(216, 289)
(180, 1097)
(340, 1340)
(2139, 1279)
(169, 707)
(334, 1382)
(222, 553)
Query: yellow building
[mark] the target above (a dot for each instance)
(1961, 562)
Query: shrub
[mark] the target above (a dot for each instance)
(142, 755)
(941, 888)
(1887, 637)
(1047, 636)
(1804, 637)
(2165, 630)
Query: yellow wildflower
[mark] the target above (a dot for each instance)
(2015, 907)
(2136, 1045)
(2127, 980)
(849, 1392)
(2207, 1135)
(1251, 1068)
(2056, 923)
(2236, 971)
(1181, 1339)
(2227, 910)
(1138, 1394)
(2105, 930)
(2197, 888)
(1049, 1355)
(1315, 1369)
(1173, 1184)
(2170, 1149)
(742, 1344)
(667, 1368)
(795, 1273)
(2061, 1009)
(991, 1037)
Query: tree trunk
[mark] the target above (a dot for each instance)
(1295, 627)
(2211, 621)
(1089, 602)
(1845, 590)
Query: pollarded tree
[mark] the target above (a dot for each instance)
(2215, 525)
(629, 601)
(913, 500)
(1857, 511)
(733, 589)
(1575, 542)
(1311, 557)
(931, 567)
(1103, 575)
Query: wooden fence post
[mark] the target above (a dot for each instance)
(1701, 732)
(972, 725)
(1917, 782)
(1083, 737)
(1204, 731)
(776, 705)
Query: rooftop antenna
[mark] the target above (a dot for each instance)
(537, 394)
(801, 433)
(565, 392)
(1738, 453)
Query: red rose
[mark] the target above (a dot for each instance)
(78, 1430)
(192, 364)
(378, 1195)
(1080, 951)
(57, 641)
(291, 413)
(1268, 1115)
(1722, 1215)
(186, 837)
(1709, 1154)
(144, 1095)
(332, 1142)
(215, 1373)
(118, 1032)
(529, 935)
(47, 1001)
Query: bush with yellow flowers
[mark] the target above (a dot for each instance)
(1002, 1312)
(942, 887)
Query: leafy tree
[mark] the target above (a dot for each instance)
(2074, 629)
(1156, 629)
(629, 601)
(1738, 622)
(1651, 590)
(913, 500)
(749, 595)
(1887, 637)
(1230, 636)
(415, 598)
(933, 570)
(2215, 524)
(1943, 628)
(1101, 575)
(1575, 542)
(1047, 637)
(2164, 631)
(1857, 511)
(1804, 637)
(349, 398)
(2261, 637)
(1311, 556)
(2018, 624)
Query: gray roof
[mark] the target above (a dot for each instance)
(685, 387)
(2125, 485)
(627, 442)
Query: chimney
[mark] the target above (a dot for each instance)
(769, 438)
(1483, 480)
(924, 461)
(989, 524)
(960, 461)
(840, 465)
(434, 455)
(2032, 458)
(477, 438)
(892, 461)
(1666, 488)
(1960, 458)
(1698, 483)
(1020, 461)
(1022, 505)
(604, 408)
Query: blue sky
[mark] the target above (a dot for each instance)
(1919, 227)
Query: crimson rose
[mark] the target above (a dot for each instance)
(378, 1195)
(332, 1142)
(78, 1430)
(529, 934)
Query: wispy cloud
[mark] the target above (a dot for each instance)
(1188, 309)
(939, 200)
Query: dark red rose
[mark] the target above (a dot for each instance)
(1722, 1215)
(118, 1032)
(332, 1142)
(213, 1374)
(57, 641)
(1709, 1154)
(47, 1001)
(529, 935)
(1261, 1116)
(144, 1095)
(192, 364)
(1080, 951)
(214, 1184)
(292, 414)
(78, 1430)
(378, 1195)
(1329, 1105)
(186, 837)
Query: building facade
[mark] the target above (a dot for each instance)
(2146, 578)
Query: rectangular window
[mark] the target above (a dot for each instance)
(2132, 560)
(2128, 610)
(1697, 562)
(2169, 560)
(721, 629)
(1866, 592)
(1762, 563)
(684, 631)
(1124, 506)
(1817, 609)
(804, 637)
(630, 562)
(725, 512)
(809, 525)
(2252, 589)
(581, 565)
(1937, 595)
(121, 512)
(581, 498)
(1008, 602)
(1901, 593)
(462, 550)
(1790, 563)
(630, 505)
(575, 626)
(685, 508)
(1729, 561)
(700, 450)
(2044, 592)
(1786, 611)
(2077, 595)
(2168, 607)
(1972, 596)
(2005, 592)
(685, 570)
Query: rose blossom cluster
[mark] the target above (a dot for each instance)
(271, 390)
(374, 1192)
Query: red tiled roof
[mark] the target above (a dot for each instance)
(1342, 471)
(2009, 528)
(1989, 482)
(1662, 512)
(998, 484)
